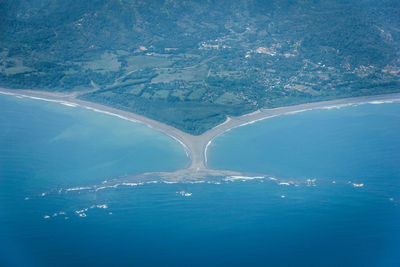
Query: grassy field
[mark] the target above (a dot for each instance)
(192, 64)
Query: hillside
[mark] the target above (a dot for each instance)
(192, 63)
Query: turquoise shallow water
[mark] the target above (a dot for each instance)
(356, 143)
(331, 196)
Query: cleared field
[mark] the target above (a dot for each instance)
(140, 62)
(107, 62)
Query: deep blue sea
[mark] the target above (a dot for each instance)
(329, 193)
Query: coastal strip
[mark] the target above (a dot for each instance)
(263, 114)
(72, 101)
(196, 147)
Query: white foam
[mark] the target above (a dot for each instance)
(169, 182)
(328, 107)
(378, 102)
(358, 185)
(104, 206)
(283, 196)
(297, 111)
(44, 99)
(184, 194)
(95, 110)
(263, 118)
(284, 183)
(81, 211)
(205, 150)
(152, 182)
(68, 104)
(111, 114)
(78, 188)
(46, 217)
(311, 182)
(339, 106)
(107, 186)
(6, 93)
(130, 184)
(187, 150)
(242, 178)
(226, 121)
(197, 182)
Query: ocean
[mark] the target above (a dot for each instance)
(325, 191)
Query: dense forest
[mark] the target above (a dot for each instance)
(192, 63)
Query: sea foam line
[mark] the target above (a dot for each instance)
(205, 150)
(70, 104)
(62, 102)
(186, 149)
(6, 93)
(327, 107)
(227, 130)
(113, 114)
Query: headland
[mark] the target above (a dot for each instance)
(196, 146)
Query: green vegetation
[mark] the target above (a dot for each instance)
(191, 63)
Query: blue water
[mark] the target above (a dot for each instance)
(316, 213)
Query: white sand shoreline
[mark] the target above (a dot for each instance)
(196, 147)
(396, 99)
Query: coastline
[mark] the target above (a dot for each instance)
(196, 147)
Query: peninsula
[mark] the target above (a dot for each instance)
(196, 145)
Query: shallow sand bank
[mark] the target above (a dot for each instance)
(196, 146)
